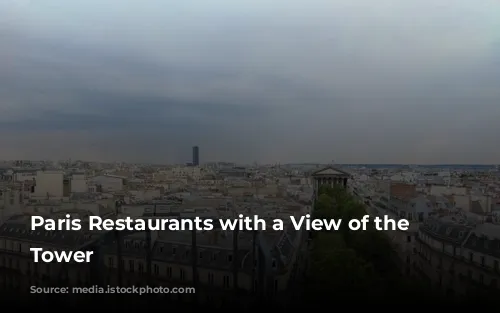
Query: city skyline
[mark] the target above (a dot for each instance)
(443, 166)
(359, 82)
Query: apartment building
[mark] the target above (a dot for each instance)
(406, 204)
(259, 262)
(17, 267)
(265, 262)
(459, 257)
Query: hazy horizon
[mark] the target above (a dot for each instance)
(188, 162)
(358, 82)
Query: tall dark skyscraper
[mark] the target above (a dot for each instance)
(196, 156)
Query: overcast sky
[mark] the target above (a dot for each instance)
(355, 81)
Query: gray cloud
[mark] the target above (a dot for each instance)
(362, 81)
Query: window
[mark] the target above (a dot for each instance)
(408, 238)
(211, 278)
(169, 272)
(227, 283)
(496, 265)
(274, 263)
(482, 261)
(156, 269)
(182, 274)
(230, 258)
(420, 217)
(471, 256)
(131, 266)
(174, 250)
(140, 267)
(110, 262)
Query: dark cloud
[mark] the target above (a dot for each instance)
(360, 82)
(112, 111)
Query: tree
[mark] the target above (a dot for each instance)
(324, 207)
(336, 269)
(348, 262)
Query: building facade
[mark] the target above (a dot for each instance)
(329, 176)
(459, 258)
(258, 264)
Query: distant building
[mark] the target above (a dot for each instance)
(108, 183)
(78, 183)
(402, 190)
(49, 184)
(196, 156)
(329, 176)
(233, 172)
